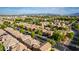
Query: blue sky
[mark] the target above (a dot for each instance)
(37, 10)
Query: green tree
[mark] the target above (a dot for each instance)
(29, 20)
(29, 29)
(18, 20)
(21, 26)
(39, 32)
(36, 21)
(57, 36)
(2, 48)
(2, 26)
(50, 25)
(70, 35)
(76, 26)
(78, 40)
(22, 30)
(51, 41)
(6, 23)
(32, 34)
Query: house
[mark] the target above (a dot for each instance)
(20, 47)
(30, 41)
(11, 43)
(13, 32)
(2, 32)
(26, 39)
(46, 47)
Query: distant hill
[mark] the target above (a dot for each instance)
(74, 14)
(43, 14)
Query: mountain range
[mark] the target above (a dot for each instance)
(73, 14)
